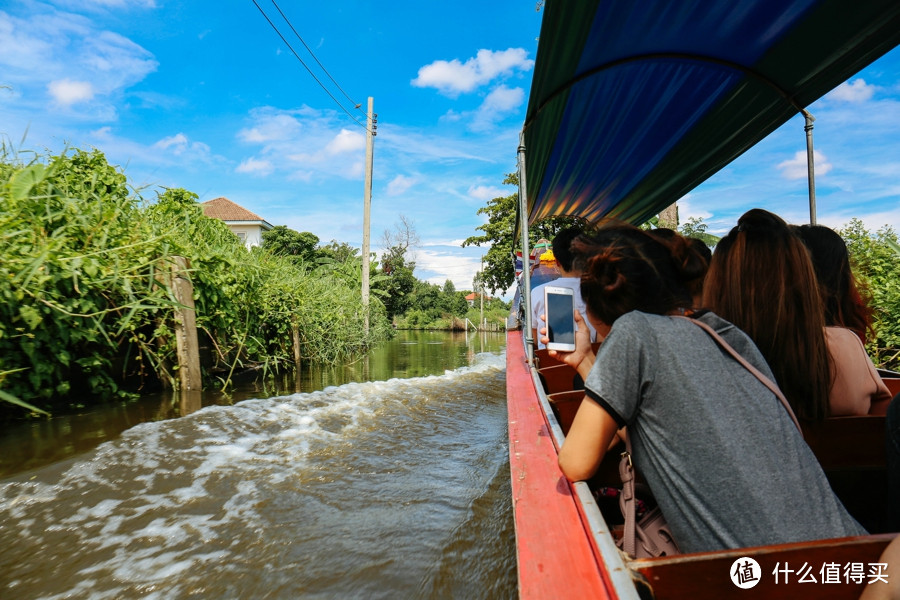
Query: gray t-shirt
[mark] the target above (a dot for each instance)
(721, 455)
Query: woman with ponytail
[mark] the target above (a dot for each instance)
(721, 454)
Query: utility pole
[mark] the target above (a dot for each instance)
(371, 120)
(481, 292)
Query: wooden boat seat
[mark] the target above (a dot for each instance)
(543, 359)
(560, 378)
(565, 405)
(893, 384)
(852, 453)
(707, 574)
(848, 442)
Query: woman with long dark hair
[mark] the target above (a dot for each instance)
(856, 387)
(761, 279)
(705, 431)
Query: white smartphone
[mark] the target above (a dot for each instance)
(559, 310)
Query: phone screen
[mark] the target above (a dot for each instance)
(560, 319)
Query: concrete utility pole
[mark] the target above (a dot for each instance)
(481, 292)
(371, 119)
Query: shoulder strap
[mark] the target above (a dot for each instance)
(734, 354)
(626, 470)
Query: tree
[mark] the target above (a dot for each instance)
(398, 282)
(426, 298)
(287, 242)
(500, 233)
(696, 228)
(397, 286)
(876, 263)
(399, 245)
(338, 251)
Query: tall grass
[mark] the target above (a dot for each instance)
(87, 311)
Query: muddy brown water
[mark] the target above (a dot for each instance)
(389, 480)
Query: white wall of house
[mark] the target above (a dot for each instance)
(250, 234)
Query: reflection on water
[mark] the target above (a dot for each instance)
(378, 489)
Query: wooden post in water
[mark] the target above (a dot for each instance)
(296, 330)
(186, 342)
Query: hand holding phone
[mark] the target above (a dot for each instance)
(559, 313)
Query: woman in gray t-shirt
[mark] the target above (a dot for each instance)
(721, 454)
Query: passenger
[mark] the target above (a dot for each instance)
(702, 426)
(571, 273)
(762, 280)
(856, 387)
(845, 305)
(887, 588)
(695, 287)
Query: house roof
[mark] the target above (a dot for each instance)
(228, 211)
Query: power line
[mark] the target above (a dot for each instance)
(355, 104)
(294, 52)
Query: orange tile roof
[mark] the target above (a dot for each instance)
(226, 210)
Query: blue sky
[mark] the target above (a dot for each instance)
(206, 96)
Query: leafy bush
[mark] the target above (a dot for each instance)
(85, 281)
(77, 275)
(876, 262)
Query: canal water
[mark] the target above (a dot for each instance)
(389, 479)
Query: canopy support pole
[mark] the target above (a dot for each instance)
(526, 253)
(810, 165)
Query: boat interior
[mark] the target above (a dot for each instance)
(852, 453)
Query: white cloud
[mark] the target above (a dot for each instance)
(70, 57)
(181, 146)
(346, 141)
(796, 168)
(500, 102)
(686, 210)
(400, 184)
(271, 127)
(255, 167)
(856, 91)
(453, 77)
(485, 192)
(179, 140)
(448, 264)
(68, 92)
(306, 143)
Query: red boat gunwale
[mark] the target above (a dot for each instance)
(554, 550)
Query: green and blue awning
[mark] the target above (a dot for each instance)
(636, 102)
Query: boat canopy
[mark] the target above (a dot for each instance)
(636, 102)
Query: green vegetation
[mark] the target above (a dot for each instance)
(500, 233)
(414, 304)
(87, 310)
(437, 307)
(876, 262)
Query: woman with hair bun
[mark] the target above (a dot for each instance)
(702, 426)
